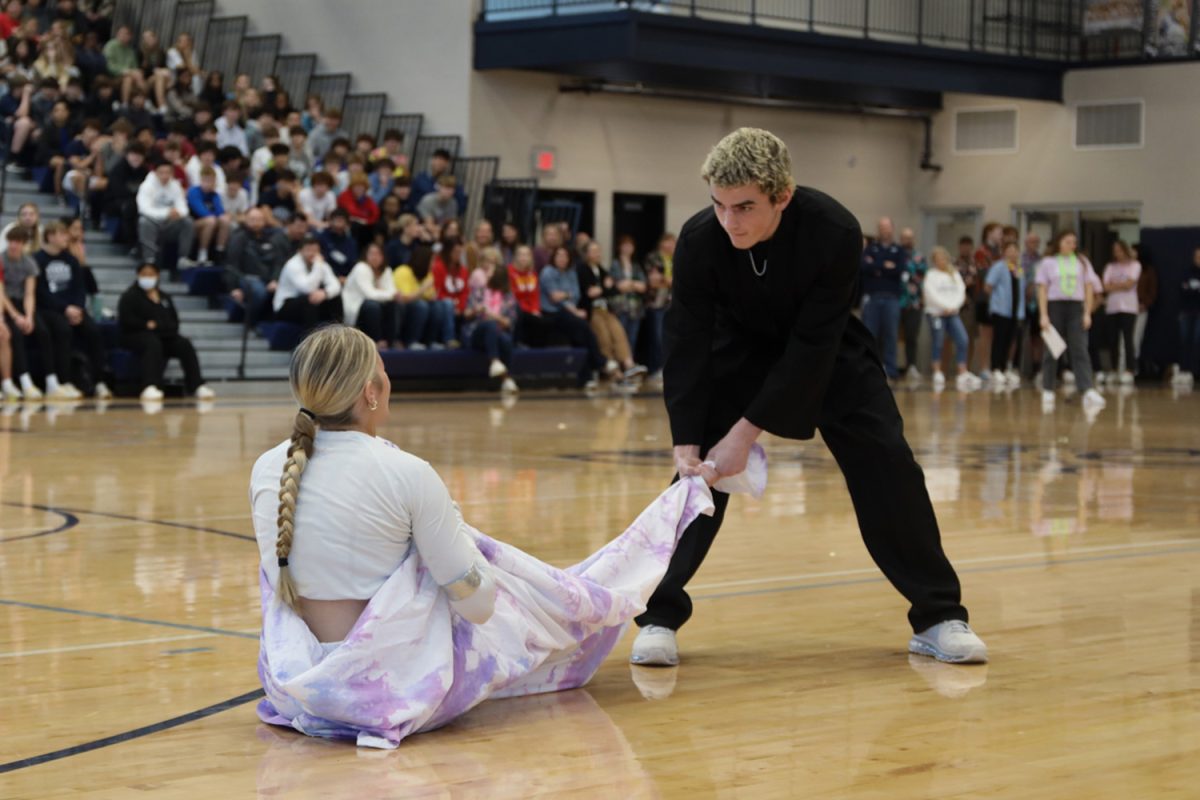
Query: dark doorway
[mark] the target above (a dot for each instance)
(552, 203)
(642, 216)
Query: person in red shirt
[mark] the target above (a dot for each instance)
(450, 281)
(357, 202)
(523, 280)
(10, 20)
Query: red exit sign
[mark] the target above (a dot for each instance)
(545, 162)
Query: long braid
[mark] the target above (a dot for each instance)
(304, 429)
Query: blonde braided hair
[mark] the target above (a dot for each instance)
(328, 373)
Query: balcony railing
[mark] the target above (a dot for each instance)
(1055, 30)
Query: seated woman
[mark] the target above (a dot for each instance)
(384, 613)
(150, 328)
(560, 299)
(598, 291)
(369, 299)
(492, 316)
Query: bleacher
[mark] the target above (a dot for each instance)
(208, 316)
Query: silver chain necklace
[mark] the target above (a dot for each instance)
(754, 265)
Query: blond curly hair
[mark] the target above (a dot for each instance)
(750, 156)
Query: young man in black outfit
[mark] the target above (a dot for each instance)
(759, 337)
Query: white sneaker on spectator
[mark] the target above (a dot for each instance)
(1047, 400)
(32, 393)
(186, 263)
(1093, 399)
(60, 393)
(151, 394)
(11, 392)
(72, 392)
(509, 386)
(611, 366)
(1068, 377)
(417, 347)
(205, 393)
(951, 641)
(635, 371)
(497, 368)
(1100, 378)
(655, 646)
(999, 383)
(1013, 377)
(202, 256)
(1127, 378)
(912, 375)
(103, 392)
(592, 385)
(437, 346)
(939, 381)
(966, 382)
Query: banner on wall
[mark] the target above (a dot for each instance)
(1170, 28)
(1104, 16)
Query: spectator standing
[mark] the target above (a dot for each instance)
(1065, 295)
(989, 252)
(19, 273)
(1147, 293)
(1121, 278)
(629, 302)
(911, 312)
(150, 328)
(1005, 287)
(1031, 256)
(1189, 326)
(944, 293)
(208, 212)
(658, 297)
(883, 274)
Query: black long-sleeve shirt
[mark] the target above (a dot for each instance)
(61, 281)
(762, 347)
(588, 279)
(135, 309)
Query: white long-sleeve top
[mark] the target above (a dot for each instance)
(297, 280)
(362, 285)
(944, 292)
(156, 199)
(362, 503)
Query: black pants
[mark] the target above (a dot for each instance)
(380, 321)
(65, 338)
(308, 315)
(579, 333)
(910, 320)
(887, 487)
(1003, 331)
(1121, 327)
(40, 338)
(1097, 338)
(155, 349)
(531, 330)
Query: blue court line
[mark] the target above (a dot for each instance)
(123, 618)
(998, 568)
(71, 514)
(184, 650)
(69, 521)
(136, 733)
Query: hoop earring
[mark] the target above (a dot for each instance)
(374, 405)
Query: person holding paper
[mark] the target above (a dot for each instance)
(1065, 293)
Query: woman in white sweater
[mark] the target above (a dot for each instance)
(308, 292)
(369, 300)
(944, 293)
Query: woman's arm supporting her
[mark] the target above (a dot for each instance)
(447, 550)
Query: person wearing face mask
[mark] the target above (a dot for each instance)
(150, 328)
(760, 338)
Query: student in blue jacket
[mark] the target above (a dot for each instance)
(208, 209)
(1005, 285)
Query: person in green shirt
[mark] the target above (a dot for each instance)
(123, 64)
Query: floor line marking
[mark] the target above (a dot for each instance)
(105, 645)
(123, 618)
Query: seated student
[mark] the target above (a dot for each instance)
(382, 179)
(439, 207)
(450, 283)
(52, 145)
(409, 233)
(139, 116)
(426, 182)
(322, 137)
(20, 274)
(491, 316)
(531, 330)
(277, 162)
(318, 201)
(206, 156)
(308, 291)
(150, 328)
(255, 257)
(236, 201)
(337, 245)
(208, 211)
(85, 173)
(392, 149)
(62, 308)
(402, 189)
(173, 155)
(279, 201)
(369, 300)
(300, 161)
(598, 289)
(561, 310)
(124, 181)
(262, 159)
(357, 203)
(163, 216)
(29, 219)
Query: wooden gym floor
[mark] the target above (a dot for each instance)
(129, 611)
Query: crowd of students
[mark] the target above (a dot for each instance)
(996, 300)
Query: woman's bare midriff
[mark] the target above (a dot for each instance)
(331, 620)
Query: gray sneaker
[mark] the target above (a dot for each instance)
(951, 641)
(655, 647)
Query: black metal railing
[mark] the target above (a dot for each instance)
(1057, 30)
(474, 174)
